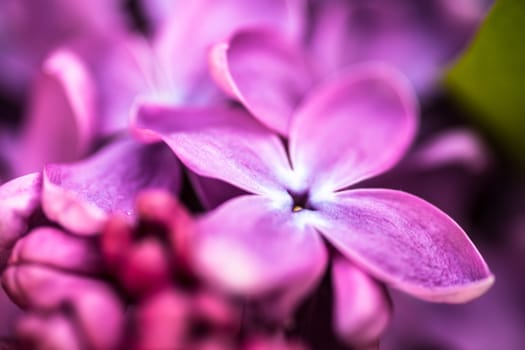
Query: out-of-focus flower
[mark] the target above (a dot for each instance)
(29, 30)
(81, 196)
(84, 292)
(446, 169)
(91, 84)
(420, 39)
(351, 129)
(418, 325)
(59, 279)
(171, 308)
(147, 253)
(150, 261)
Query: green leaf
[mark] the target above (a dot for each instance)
(490, 77)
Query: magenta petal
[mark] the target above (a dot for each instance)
(97, 309)
(353, 128)
(79, 196)
(125, 69)
(61, 113)
(263, 71)
(19, 197)
(407, 243)
(52, 247)
(265, 251)
(225, 144)
(361, 305)
(461, 147)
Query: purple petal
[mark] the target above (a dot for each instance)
(405, 242)
(61, 112)
(80, 196)
(224, 144)
(268, 250)
(20, 198)
(353, 128)
(361, 305)
(221, 18)
(124, 68)
(52, 247)
(462, 147)
(418, 38)
(263, 71)
(98, 311)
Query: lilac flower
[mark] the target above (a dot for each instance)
(61, 280)
(350, 129)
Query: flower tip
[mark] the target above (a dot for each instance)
(462, 294)
(475, 290)
(140, 115)
(219, 69)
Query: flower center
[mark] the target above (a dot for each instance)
(300, 201)
(297, 208)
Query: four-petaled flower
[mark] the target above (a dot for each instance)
(350, 129)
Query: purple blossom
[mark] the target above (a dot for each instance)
(350, 129)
